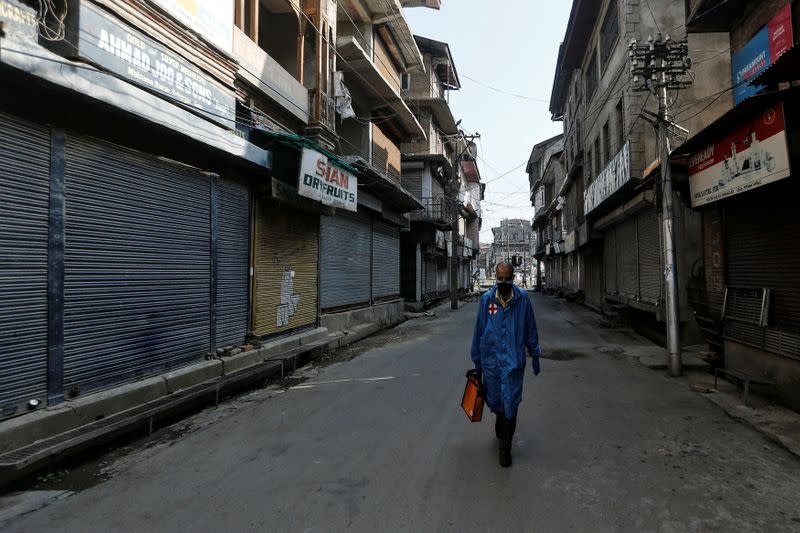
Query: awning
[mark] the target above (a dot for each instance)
(299, 142)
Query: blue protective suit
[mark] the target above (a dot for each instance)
(498, 348)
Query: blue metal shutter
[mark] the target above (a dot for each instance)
(24, 212)
(345, 257)
(385, 260)
(137, 265)
(650, 265)
(233, 255)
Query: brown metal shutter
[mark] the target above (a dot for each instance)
(610, 260)
(763, 250)
(628, 259)
(286, 269)
(650, 270)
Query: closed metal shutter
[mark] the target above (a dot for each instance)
(763, 251)
(385, 260)
(24, 214)
(610, 260)
(443, 275)
(627, 259)
(346, 243)
(650, 270)
(286, 269)
(412, 181)
(233, 256)
(137, 265)
(431, 275)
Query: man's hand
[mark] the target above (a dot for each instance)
(535, 365)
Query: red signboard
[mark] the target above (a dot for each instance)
(750, 156)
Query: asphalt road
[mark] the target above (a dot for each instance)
(378, 443)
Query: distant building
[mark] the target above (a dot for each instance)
(512, 243)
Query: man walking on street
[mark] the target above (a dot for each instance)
(505, 330)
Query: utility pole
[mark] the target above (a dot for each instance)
(658, 66)
(455, 188)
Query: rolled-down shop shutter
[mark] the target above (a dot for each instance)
(385, 260)
(610, 260)
(286, 269)
(137, 264)
(431, 274)
(24, 201)
(650, 270)
(233, 270)
(345, 278)
(763, 251)
(627, 259)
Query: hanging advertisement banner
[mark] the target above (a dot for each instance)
(761, 51)
(616, 174)
(328, 184)
(751, 156)
(212, 19)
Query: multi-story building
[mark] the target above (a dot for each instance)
(741, 183)
(439, 169)
(610, 155)
(512, 243)
(175, 182)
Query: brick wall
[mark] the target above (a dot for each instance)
(757, 16)
(384, 63)
(385, 153)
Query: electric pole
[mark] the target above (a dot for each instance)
(658, 66)
(455, 189)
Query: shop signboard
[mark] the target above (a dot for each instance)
(212, 19)
(20, 22)
(327, 183)
(616, 174)
(760, 52)
(132, 55)
(752, 155)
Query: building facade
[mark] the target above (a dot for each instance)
(740, 172)
(512, 244)
(183, 183)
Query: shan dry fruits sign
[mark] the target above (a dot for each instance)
(753, 155)
(326, 183)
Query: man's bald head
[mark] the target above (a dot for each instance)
(504, 270)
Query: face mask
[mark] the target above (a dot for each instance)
(504, 287)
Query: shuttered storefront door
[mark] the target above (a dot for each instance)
(627, 259)
(137, 265)
(650, 270)
(431, 275)
(763, 251)
(385, 261)
(233, 245)
(610, 260)
(346, 241)
(24, 201)
(286, 269)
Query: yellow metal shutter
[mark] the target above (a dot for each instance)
(286, 269)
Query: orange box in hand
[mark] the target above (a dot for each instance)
(472, 402)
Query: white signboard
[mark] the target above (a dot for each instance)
(752, 155)
(213, 19)
(610, 180)
(328, 184)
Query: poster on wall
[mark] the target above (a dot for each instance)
(760, 52)
(328, 184)
(213, 19)
(752, 155)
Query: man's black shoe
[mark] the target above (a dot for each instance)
(505, 454)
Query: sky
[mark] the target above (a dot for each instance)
(513, 49)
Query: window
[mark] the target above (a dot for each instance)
(609, 33)
(606, 144)
(620, 125)
(591, 77)
(405, 82)
(598, 165)
(590, 167)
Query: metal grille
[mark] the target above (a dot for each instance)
(24, 211)
(346, 241)
(628, 259)
(286, 269)
(385, 260)
(137, 265)
(233, 241)
(610, 260)
(650, 269)
(412, 181)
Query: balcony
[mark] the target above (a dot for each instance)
(263, 72)
(437, 210)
